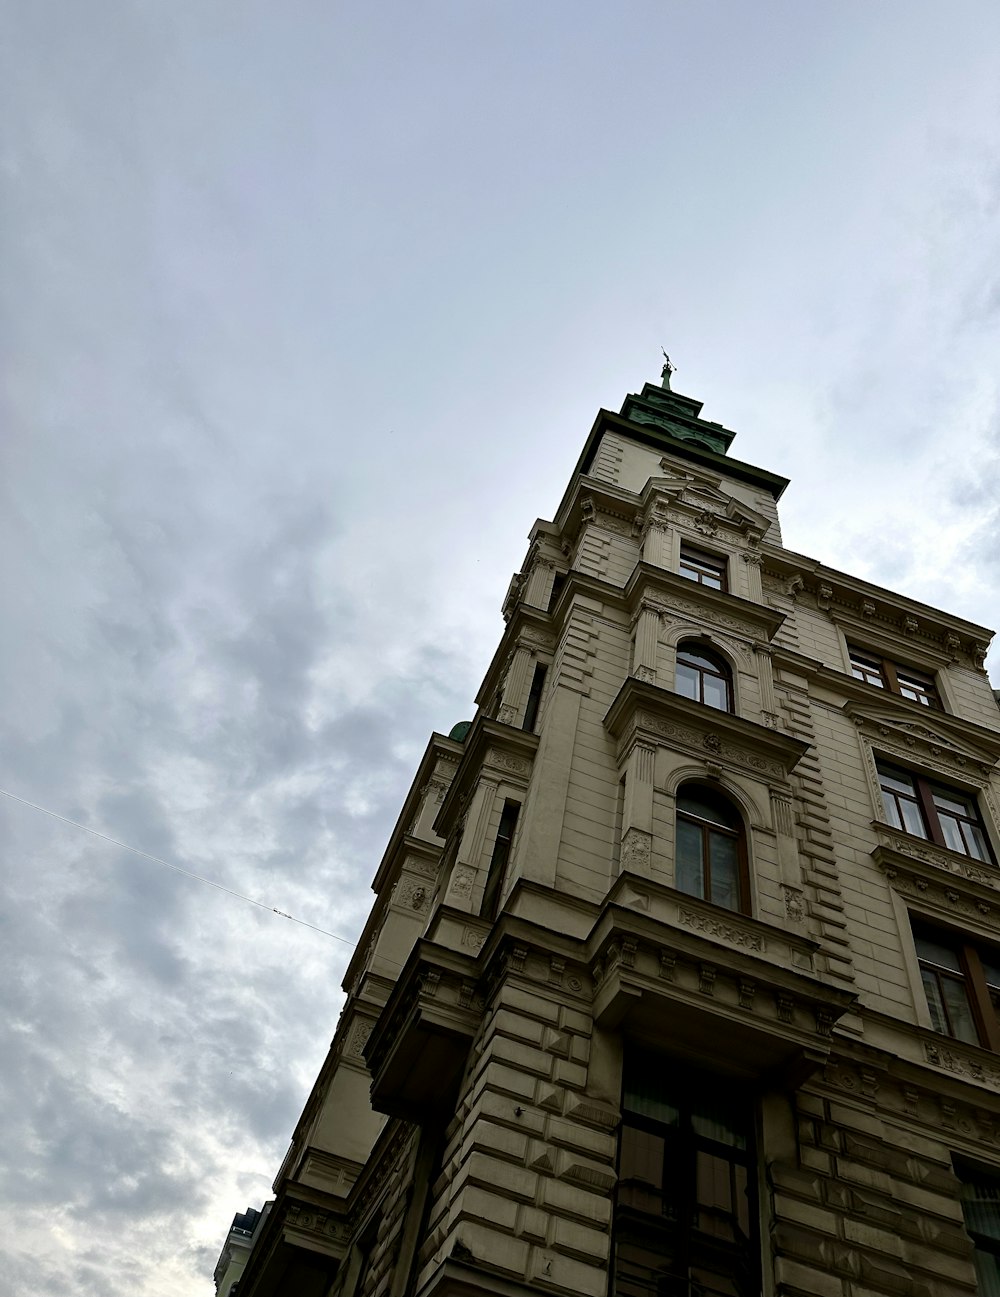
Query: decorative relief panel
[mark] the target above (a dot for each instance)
(358, 1038)
(701, 612)
(506, 761)
(318, 1223)
(948, 862)
(733, 933)
(636, 850)
(710, 742)
(965, 1063)
(412, 894)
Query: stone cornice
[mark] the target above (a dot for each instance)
(505, 751)
(691, 981)
(299, 1218)
(951, 1088)
(528, 627)
(943, 883)
(647, 711)
(697, 499)
(435, 999)
(864, 609)
(725, 465)
(669, 593)
(438, 747)
(589, 499)
(841, 684)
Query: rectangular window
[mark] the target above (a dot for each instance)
(558, 581)
(981, 1208)
(498, 861)
(685, 1214)
(534, 697)
(883, 674)
(934, 811)
(704, 568)
(961, 981)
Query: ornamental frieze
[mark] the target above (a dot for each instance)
(732, 933)
(505, 761)
(959, 1062)
(710, 743)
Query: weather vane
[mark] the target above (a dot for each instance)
(668, 368)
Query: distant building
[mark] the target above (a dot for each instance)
(233, 1258)
(683, 973)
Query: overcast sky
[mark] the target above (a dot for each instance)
(307, 308)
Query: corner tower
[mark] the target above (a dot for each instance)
(655, 995)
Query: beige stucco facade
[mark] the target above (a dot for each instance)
(469, 1131)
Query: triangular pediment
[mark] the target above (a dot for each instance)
(935, 738)
(702, 493)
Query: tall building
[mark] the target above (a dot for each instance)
(683, 973)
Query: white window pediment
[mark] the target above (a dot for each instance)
(933, 742)
(702, 494)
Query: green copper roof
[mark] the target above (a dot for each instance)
(677, 416)
(459, 731)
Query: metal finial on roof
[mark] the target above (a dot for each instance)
(668, 368)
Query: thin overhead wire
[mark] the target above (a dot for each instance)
(106, 837)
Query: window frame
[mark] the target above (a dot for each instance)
(722, 671)
(865, 663)
(695, 564)
(985, 1245)
(496, 874)
(970, 974)
(929, 812)
(707, 827)
(671, 1220)
(536, 689)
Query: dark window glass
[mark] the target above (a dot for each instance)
(933, 811)
(704, 568)
(981, 1207)
(534, 697)
(704, 676)
(961, 981)
(710, 855)
(884, 674)
(685, 1213)
(558, 581)
(498, 860)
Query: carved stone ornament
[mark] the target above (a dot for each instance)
(910, 625)
(635, 851)
(732, 933)
(506, 761)
(358, 1038)
(741, 626)
(707, 522)
(867, 608)
(311, 1221)
(794, 907)
(462, 881)
(507, 714)
(824, 595)
(692, 738)
(952, 1058)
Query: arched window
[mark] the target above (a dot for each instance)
(711, 850)
(704, 676)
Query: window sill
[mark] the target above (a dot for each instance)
(902, 854)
